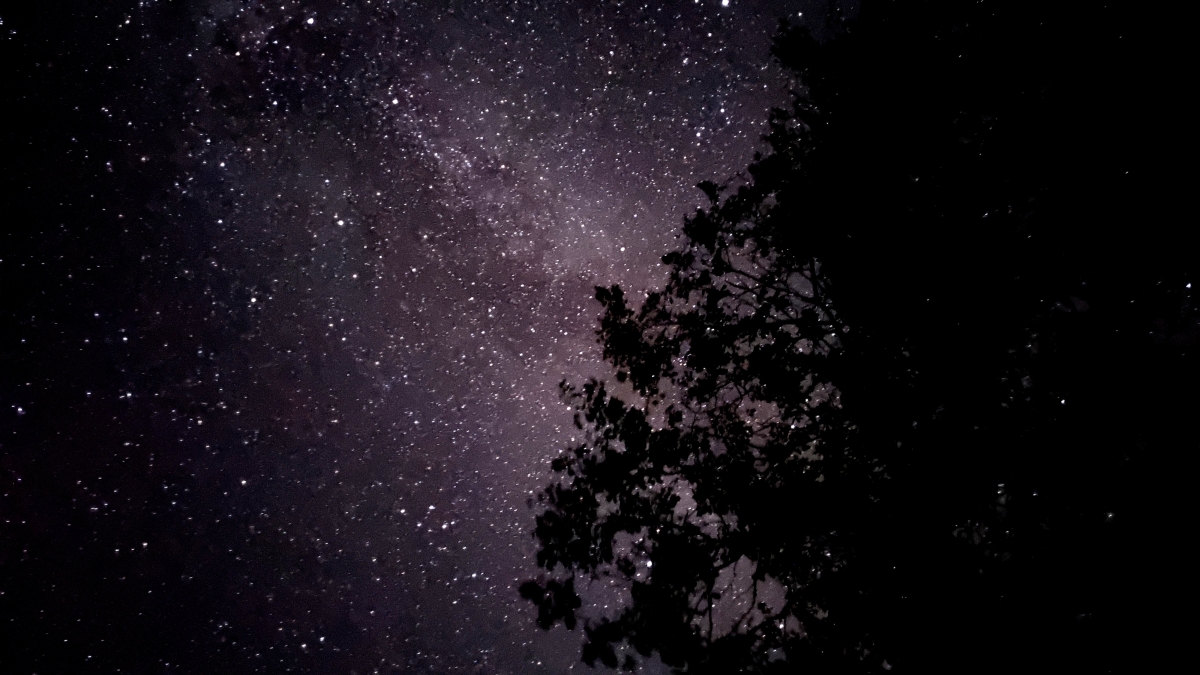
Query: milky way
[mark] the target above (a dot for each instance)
(309, 278)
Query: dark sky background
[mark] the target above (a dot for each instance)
(287, 291)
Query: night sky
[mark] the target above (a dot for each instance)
(288, 289)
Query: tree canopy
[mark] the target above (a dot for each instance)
(910, 395)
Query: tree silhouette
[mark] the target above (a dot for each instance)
(903, 402)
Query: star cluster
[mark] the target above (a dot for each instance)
(302, 282)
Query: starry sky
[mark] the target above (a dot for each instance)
(288, 291)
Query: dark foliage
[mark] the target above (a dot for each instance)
(914, 394)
